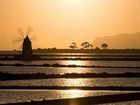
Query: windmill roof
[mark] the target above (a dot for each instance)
(27, 38)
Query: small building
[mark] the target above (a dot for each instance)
(27, 47)
(27, 53)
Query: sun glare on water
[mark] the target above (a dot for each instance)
(75, 93)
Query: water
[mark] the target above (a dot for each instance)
(17, 95)
(11, 96)
(75, 82)
(78, 62)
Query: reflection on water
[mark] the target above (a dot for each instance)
(79, 62)
(72, 62)
(75, 93)
(13, 96)
(63, 70)
(75, 82)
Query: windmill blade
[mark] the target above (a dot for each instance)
(17, 40)
(29, 30)
(21, 32)
(33, 37)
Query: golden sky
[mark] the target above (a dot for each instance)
(57, 23)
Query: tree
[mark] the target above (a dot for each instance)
(73, 45)
(104, 46)
(86, 45)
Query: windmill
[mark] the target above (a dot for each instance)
(25, 39)
(26, 44)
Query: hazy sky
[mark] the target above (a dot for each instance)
(57, 23)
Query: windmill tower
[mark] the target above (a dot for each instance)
(26, 45)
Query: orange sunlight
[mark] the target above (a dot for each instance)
(75, 93)
(57, 23)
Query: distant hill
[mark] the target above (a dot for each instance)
(120, 41)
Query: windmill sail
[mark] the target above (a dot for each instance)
(26, 47)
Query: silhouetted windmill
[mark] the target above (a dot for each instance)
(26, 45)
(22, 36)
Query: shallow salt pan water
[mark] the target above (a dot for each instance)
(63, 70)
(79, 62)
(75, 82)
(15, 95)
(12, 96)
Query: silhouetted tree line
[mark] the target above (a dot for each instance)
(74, 46)
(86, 47)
